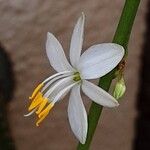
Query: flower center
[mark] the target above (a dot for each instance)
(77, 76)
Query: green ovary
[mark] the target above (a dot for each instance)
(77, 76)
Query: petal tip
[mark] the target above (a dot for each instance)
(114, 104)
(83, 141)
(121, 48)
(49, 35)
(83, 15)
(117, 104)
(82, 18)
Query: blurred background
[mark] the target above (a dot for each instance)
(23, 64)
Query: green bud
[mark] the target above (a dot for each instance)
(119, 89)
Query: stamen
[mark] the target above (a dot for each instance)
(37, 89)
(44, 113)
(57, 74)
(30, 113)
(62, 81)
(38, 99)
(53, 80)
(38, 95)
(47, 109)
(42, 105)
(62, 92)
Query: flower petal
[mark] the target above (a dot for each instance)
(76, 41)
(77, 115)
(100, 59)
(56, 54)
(98, 95)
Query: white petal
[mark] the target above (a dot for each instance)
(100, 59)
(56, 54)
(98, 95)
(77, 115)
(76, 41)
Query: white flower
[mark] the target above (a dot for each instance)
(94, 63)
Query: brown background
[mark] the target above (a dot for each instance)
(23, 28)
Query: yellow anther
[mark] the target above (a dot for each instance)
(42, 105)
(41, 119)
(44, 113)
(47, 109)
(37, 89)
(38, 99)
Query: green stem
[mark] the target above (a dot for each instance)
(121, 37)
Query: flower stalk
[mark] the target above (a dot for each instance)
(121, 37)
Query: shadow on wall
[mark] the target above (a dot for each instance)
(6, 93)
(142, 137)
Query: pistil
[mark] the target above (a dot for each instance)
(77, 76)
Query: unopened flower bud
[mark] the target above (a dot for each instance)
(119, 89)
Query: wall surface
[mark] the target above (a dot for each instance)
(23, 28)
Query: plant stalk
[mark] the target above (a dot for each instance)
(121, 37)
